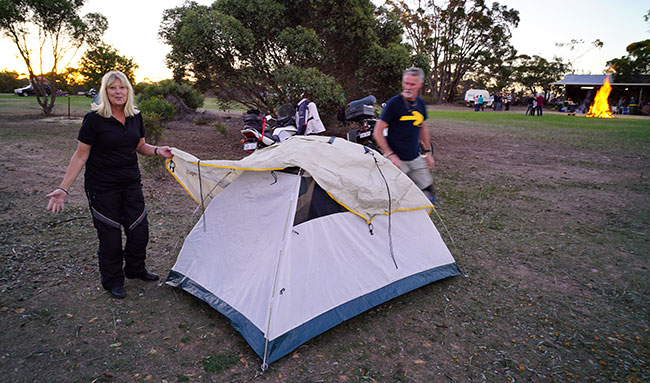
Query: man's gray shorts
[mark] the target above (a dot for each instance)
(418, 171)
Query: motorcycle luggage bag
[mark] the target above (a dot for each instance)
(369, 100)
(253, 120)
(359, 112)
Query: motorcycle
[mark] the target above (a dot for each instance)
(261, 131)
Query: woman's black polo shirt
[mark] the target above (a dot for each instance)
(113, 160)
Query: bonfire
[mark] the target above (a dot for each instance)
(600, 107)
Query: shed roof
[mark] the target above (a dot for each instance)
(592, 80)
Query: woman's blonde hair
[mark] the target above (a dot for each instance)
(104, 106)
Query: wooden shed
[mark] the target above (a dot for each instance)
(582, 88)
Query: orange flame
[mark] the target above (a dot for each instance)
(600, 107)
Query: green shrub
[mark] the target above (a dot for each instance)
(200, 120)
(152, 126)
(221, 128)
(190, 96)
(326, 92)
(157, 105)
(153, 133)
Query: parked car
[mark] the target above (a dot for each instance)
(472, 93)
(61, 93)
(30, 91)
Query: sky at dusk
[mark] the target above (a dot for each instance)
(133, 31)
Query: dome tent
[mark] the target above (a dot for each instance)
(301, 236)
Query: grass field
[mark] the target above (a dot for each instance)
(10, 101)
(631, 128)
(550, 220)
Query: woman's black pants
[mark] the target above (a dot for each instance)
(112, 210)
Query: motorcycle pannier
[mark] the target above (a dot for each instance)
(359, 112)
(252, 119)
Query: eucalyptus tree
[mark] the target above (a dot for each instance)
(49, 31)
(263, 53)
(535, 72)
(459, 37)
(102, 58)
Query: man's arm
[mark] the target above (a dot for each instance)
(426, 142)
(378, 135)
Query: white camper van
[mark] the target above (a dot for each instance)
(472, 93)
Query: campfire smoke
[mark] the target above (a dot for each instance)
(600, 107)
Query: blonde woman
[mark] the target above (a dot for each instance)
(108, 142)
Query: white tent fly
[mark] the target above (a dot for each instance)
(299, 237)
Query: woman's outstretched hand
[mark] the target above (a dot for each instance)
(57, 200)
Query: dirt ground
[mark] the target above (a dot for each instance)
(549, 228)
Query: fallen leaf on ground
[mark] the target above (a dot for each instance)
(118, 344)
(20, 310)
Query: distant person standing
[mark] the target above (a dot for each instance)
(530, 105)
(620, 106)
(540, 104)
(497, 102)
(508, 101)
(481, 103)
(476, 105)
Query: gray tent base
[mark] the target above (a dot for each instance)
(284, 344)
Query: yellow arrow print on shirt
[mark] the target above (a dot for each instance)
(416, 117)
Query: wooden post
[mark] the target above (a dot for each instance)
(68, 107)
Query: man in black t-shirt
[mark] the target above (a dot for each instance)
(404, 116)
